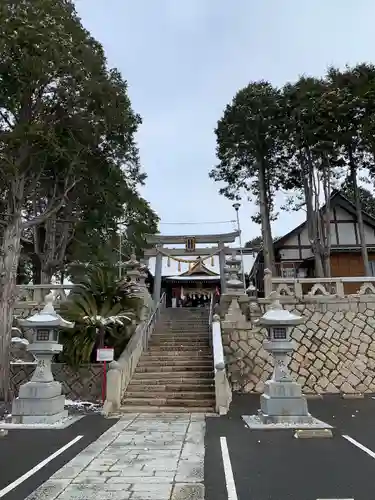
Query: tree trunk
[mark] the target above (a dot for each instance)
(268, 250)
(358, 206)
(37, 271)
(311, 212)
(326, 217)
(45, 276)
(9, 260)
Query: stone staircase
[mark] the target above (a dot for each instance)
(176, 373)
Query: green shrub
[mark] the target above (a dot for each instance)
(105, 313)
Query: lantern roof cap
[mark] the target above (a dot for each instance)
(47, 317)
(277, 316)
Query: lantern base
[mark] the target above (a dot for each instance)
(40, 419)
(283, 401)
(38, 410)
(285, 419)
(46, 390)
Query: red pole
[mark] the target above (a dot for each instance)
(104, 385)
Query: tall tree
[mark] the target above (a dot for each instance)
(313, 158)
(60, 107)
(351, 94)
(250, 150)
(367, 197)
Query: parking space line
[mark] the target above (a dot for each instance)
(360, 446)
(39, 466)
(229, 479)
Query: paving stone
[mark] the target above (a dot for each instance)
(67, 472)
(188, 492)
(81, 478)
(72, 493)
(140, 458)
(50, 490)
(190, 472)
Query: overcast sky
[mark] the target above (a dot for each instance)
(185, 60)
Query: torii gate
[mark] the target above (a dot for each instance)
(189, 241)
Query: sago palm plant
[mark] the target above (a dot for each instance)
(103, 316)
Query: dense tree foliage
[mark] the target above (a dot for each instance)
(69, 164)
(306, 138)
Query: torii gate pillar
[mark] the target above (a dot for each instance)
(157, 278)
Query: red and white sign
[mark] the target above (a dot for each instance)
(105, 354)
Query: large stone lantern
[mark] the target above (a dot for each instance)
(40, 400)
(282, 400)
(232, 270)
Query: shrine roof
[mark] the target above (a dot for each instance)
(195, 277)
(199, 268)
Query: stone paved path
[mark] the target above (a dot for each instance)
(142, 457)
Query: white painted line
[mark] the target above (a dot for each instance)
(35, 469)
(229, 479)
(360, 446)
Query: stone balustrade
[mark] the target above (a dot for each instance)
(319, 288)
(121, 371)
(30, 298)
(35, 294)
(223, 391)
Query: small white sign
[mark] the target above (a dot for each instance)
(105, 354)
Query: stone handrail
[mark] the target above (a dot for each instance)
(318, 287)
(223, 392)
(121, 371)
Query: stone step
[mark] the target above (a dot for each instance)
(174, 375)
(169, 368)
(165, 409)
(185, 333)
(162, 386)
(179, 322)
(184, 321)
(181, 340)
(181, 335)
(175, 346)
(179, 348)
(185, 356)
(156, 401)
(176, 395)
(182, 325)
(176, 363)
(166, 330)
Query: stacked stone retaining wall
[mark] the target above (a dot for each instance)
(335, 348)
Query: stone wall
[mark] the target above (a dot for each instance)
(85, 383)
(335, 346)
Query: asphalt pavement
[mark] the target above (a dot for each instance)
(240, 464)
(273, 465)
(22, 450)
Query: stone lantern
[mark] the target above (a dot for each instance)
(232, 270)
(133, 269)
(282, 400)
(40, 400)
(251, 290)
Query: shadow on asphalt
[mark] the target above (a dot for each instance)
(273, 465)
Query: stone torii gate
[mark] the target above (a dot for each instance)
(159, 240)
